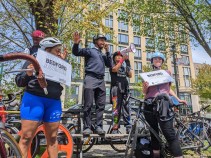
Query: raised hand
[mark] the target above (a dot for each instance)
(64, 54)
(76, 38)
(106, 47)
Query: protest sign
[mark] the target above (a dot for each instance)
(156, 77)
(54, 68)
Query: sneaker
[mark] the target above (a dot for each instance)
(87, 131)
(99, 130)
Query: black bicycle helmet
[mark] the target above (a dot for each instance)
(98, 36)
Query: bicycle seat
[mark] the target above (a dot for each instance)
(74, 111)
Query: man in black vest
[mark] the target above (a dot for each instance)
(94, 85)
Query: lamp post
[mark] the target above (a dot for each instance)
(1, 72)
(175, 68)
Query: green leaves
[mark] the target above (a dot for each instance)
(202, 83)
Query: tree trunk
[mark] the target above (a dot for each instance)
(44, 16)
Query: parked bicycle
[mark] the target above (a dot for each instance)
(198, 125)
(8, 145)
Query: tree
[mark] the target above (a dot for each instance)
(176, 18)
(58, 18)
(202, 83)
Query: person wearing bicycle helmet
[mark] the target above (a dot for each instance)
(152, 92)
(37, 36)
(36, 106)
(94, 85)
(119, 72)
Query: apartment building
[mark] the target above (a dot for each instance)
(124, 34)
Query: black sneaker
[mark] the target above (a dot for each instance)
(99, 131)
(87, 131)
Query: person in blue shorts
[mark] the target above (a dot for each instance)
(38, 107)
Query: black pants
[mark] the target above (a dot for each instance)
(168, 132)
(94, 89)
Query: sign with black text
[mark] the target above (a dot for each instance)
(156, 77)
(54, 68)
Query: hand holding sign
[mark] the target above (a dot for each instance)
(55, 68)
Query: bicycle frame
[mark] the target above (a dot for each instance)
(140, 117)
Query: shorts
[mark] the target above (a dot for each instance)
(41, 109)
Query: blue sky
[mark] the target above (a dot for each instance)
(199, 55)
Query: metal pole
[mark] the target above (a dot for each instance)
(1, 72)
(175, 69)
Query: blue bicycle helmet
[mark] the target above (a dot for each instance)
(158, 54)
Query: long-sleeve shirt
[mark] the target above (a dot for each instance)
(95, 61)
(32, 86)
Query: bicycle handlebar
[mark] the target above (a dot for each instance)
(204, 108)
(12, 97)
(32, 59)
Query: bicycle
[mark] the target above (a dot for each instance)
(198, 126)
(144, 132)
(8, 145)
(13, 122)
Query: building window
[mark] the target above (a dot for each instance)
(109, 37)
(187, 76)
(161, 35)
(122, 25)
(170, 46)
(137, 41)
(149, 43)
(184, 60)
(137, 55)
(161, 45)
(138, 70)
(123, 39)
(107, 76)
(187, 97)
(136, 23)
(174, 75)
(76, 73)
(109, 21)
(136, 29)
(184, 49)
(149, 55)
(171, 35)
(183, 37)
(110, 48)
(120, 48)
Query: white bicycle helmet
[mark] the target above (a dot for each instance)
(49, 42)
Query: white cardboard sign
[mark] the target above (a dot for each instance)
(54, 68)
(156, 77)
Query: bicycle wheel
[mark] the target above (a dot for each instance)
(118, 143)
(189, 141)
(88, 142)
(131, 141)
(64, 147)
(10, 145)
